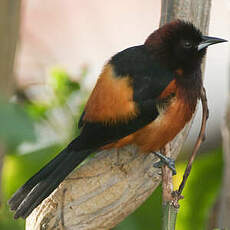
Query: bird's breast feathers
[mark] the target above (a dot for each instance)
(174, 113)
(144, 104)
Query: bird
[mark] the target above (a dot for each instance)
(144, 96)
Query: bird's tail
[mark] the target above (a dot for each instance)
(38, 187)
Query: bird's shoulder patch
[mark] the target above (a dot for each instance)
(111, 99)
(130, 78)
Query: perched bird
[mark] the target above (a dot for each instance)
(144, 96)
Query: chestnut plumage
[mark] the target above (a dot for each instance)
(144, 96)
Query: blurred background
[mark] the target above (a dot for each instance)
(61, 50)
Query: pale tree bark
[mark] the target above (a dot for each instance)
(223, 220)
(9, 28)
(101, 193)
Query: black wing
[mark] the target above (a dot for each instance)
(149, 79)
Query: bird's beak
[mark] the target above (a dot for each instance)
(207, 41)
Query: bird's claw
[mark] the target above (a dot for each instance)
(165, 161)
(158, 164)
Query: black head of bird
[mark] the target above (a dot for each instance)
(179, 44)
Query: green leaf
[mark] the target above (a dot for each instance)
(62, 84)
(15, 125)
(73, 86)
(37, 110)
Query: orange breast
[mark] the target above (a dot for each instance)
(169, 123)
(162, 130)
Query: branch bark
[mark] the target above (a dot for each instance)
(169, 209)
(9, 27)
(195, 11)
(100, 194)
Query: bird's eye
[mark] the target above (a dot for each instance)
(187, 44)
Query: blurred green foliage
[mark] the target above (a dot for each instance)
(62, 86)
(16, 125)
(24, 122)
(33, 118)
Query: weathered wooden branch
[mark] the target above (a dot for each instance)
(100, 194)
(9, 27)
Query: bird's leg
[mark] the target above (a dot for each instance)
(119, 163)
(165, 160)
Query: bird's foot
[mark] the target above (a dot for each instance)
(165, 161)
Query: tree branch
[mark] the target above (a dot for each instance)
(169, 208)
(101, 194)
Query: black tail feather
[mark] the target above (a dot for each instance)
(41, 185)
